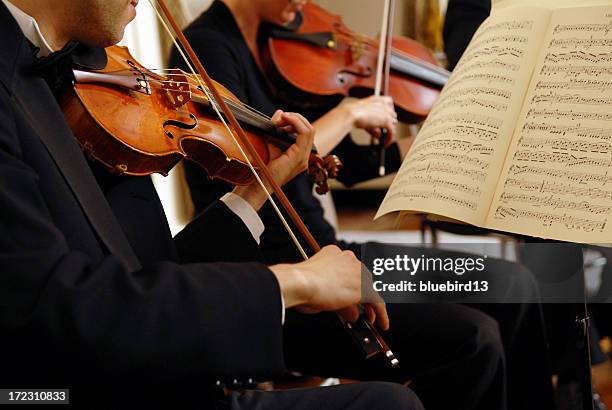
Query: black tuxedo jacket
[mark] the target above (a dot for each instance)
(216, 38)
(91, 286)
(463, 17)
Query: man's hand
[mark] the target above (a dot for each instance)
(286, 165)
(329, 281)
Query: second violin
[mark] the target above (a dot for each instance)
(320, 60)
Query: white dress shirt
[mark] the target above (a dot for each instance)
(30, 29)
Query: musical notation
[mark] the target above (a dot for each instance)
(506, 25)
(495, 64)
(560, 158)
(575, 71)
(580, 43)
(580, 57)
(524, 125)
(469, 101)
(563, 130)
(449, 156)
(570, 115)
(556, 203)
(447, 168)
(486, 77)
(465, 119)
(576, 177)
(574, 99)
(454, 150)
(548, 219)
(565, 144)
(585, 28)
(409, 194)
(418, 179)
(559, 174)
(575, 84)
(461, 131)
(497, 51)
(547, 187)
(454, 145)
(476, 91)
(499, 39)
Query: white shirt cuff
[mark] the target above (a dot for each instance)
(245, 211)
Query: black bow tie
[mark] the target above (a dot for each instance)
(55, 58)
(55, 68)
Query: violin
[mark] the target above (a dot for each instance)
(138, 122)
(318, 60)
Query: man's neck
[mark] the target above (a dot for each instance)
(46, 15)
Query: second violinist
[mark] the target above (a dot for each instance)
(435, 343)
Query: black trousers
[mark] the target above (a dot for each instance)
(360, 396)
(455, 356)
(193, 394)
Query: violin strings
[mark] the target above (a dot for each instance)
(196, 77)
(229, 130)
(244, 108)
(245, 112)
(399, 53)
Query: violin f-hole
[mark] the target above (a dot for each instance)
(363, 72)
(180, 124)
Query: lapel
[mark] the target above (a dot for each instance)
(38, 103)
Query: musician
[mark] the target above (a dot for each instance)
(436, 343)
(93, 293)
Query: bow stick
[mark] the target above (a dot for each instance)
(383, 70)
(362, 331)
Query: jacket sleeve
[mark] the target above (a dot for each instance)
(217, 233)
(360, 162)
(61, 311)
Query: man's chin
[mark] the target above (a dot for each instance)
(104, 42)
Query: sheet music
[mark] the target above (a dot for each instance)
(557, 181)
(454, 165)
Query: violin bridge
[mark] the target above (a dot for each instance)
(177, 88)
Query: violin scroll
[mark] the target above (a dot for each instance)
(321, 169)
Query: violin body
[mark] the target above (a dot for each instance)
(140, 133)
(323, 61)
